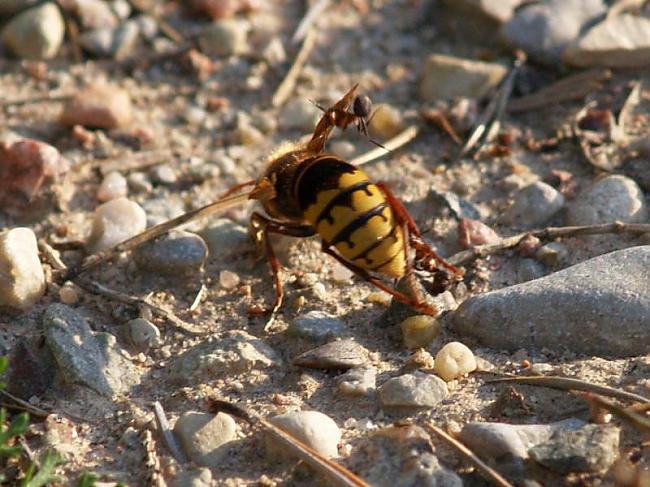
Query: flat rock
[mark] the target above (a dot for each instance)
(83, 357)
(598, 307)
(22, 281)
(178, 253)
(415, 390)
(236, 352)
(358, 381)
(534, 205)
(317, 326)
(622, 41)
(36, 33)
(98, 105)
(336, 355)
(313, 428)
(446, 77)
(545, 29)
(206, 438)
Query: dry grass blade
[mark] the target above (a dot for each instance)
(336, 474)
(488, 472)
(167, 433)
(313, 12)
(24, 405)
(285, 88)
(637, 420)
(396, 142)
(570, 384)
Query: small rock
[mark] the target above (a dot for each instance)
(112, 42)
(22, 281)
(225, 237)
(274, 52)
(534, 205)
(337, 355)
(447, 77)
(599, 307)
(142, 334)
(139, 182)
(413, 390)
(299, 114)
(592, 448)
(147, 26)
(228, 279)
(420, 330)
(386, 121)
(341, 274)
(205, 438)
(545, 29)
(93, 14)
(249, 135)
(459, 207)
(552, 254)
(113, 186)
(315, 429)
(83, 357)
(619, 41)
(178, 253)
(36, 33)
(317, 326)
(225, 38)
(529, 269)
(114, 222)
(68, 294)
(475, 232)
(194, 115)
(201, 477)
(122, 8)
(610, 199)
(453, 361)
(98, 106)
(236, 352)
(164, 174)
(358, 381)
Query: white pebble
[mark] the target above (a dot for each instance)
(114, 222)
(315, 429)
(68, 294)
(341, 274)
(228, 279)
(454, 360)
(22, 281)
(113, 186)
(319, 291)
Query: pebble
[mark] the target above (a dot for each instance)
(315, 429)
(274, 52)
(454, 360)
(114, 222)
(112, 42)
(475, 232)
(147, 26)
(343, 148)
(225, 38)
(93, 14)
(139, 182)
(413, 390)
(225, 237)
(27, 166)
(249, 135)
(592, 448)
(337, 355)
(299, 114)
(598, 307)
(609, 199)
(552, 254)
(459, 207)
(386, 122)
(545, 29)
(534, 205)
(122, 8)
(200, 477)
(447, 77)
(228, 279)
(195, 115)
(619, 41)
(341, 274)
(358, 381)
(178, 253)
(205, 438)
(235, 352)
(317, 326)
(36, 33)
(142, 334)
(68, 294)
(23, 281)
(98, 106)
(163, 174)
(90, 359)
(113, 186)
(419, 330)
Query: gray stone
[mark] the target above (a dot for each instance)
(83, 357)
(116, 42)
(459, 207)
(317, 326)
(225, 237)
(299, 114)
(178, 253)
(114, 222)
(413, 390)
(36, 33)
(22, 281)
(534, 205)
(93, 14)
(545, 29)
(610, 199)
(600, 306)
(225, 38)
(164, 174)
(358, 381)
(113, 186)
(447, 77)
(236, 352)
(592, 448)
(142, 334)
(529, 269)
(206, 438)
(337, 355)
(315, 429)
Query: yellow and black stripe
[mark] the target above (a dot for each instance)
(350, 213)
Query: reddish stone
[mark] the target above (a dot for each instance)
(473, 232)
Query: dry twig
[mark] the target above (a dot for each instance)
(312, 13)
(285, 88)
(488, 472)
(167, 434)
(637, 420)
(396, 142)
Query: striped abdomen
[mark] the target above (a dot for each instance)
(351, 214)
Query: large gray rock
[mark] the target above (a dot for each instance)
(601, 307)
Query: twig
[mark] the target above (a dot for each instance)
(139, 162)
(335, 473)
(199, 296)
(287, 85)
(312, 13)
(167, 433)
(548, 233)
(488, 472)
(34, 100)
(36, 411)
(570, 384)
(637, 420)
(396, 142)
